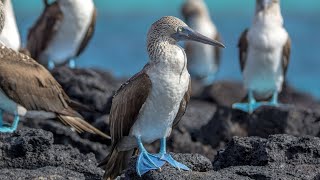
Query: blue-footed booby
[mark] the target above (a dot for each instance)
(62, 32)
(27, 89)
(203, 60)
(264, 53)
(10, 34)
(152, 102)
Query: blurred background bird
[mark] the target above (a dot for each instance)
(62, 32)
(10, 35)
(264, 54)
(203, 60)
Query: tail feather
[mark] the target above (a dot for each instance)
(81, 125)
(115, 163)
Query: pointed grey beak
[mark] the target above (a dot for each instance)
(186, 33)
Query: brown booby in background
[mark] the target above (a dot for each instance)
(203, 60)
(264, 53)
(62, 32)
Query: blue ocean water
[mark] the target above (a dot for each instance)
(119, 42)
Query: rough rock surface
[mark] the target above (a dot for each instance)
(91, 87)
(278, 157)
(30, 153)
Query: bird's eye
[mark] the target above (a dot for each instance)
(180, 29)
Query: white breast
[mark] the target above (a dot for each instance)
(170, 80)
(201, 61)
(77, 18)
(263, 72)
(10, 35)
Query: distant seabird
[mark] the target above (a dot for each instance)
(264, 52)
(62, 32)
(203, 60)
(10, 35)
(153, 101)
(28, 89)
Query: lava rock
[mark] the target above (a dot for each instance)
(31, 151)
(93, 88)
(195, 162)
(265, 121)
(278, 157)
(54, 173)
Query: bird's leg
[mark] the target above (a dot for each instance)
(274, 99)
(163, 155)
(13, 126)
(51, 65)
(146, 161)
(72, 63)
(249, 107)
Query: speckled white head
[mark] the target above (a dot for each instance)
(171, 30)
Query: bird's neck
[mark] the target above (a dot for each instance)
(269, 17)
(169, 54)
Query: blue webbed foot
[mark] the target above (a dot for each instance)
(51, 65)
(72, 64)
(147, 162)
(248, 107)
(11, 129)
(168, 158)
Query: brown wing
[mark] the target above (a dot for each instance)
(183, 106)
(243, 48)
(29, 84)
(88, 34)
(286, 55)
(44, 29)
(217, 50)
(127, 103)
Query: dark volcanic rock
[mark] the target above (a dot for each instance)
(266, 121)
(52, 173)
(278, 157)
(64, 135)
(195, 162)
(31, 151)
(93, 88)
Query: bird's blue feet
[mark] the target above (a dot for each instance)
(72, 64)
(249, 107)
(168, 158)
(13, 127)
(146, 161)
(51, 65)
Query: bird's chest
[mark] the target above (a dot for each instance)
(156, 117)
